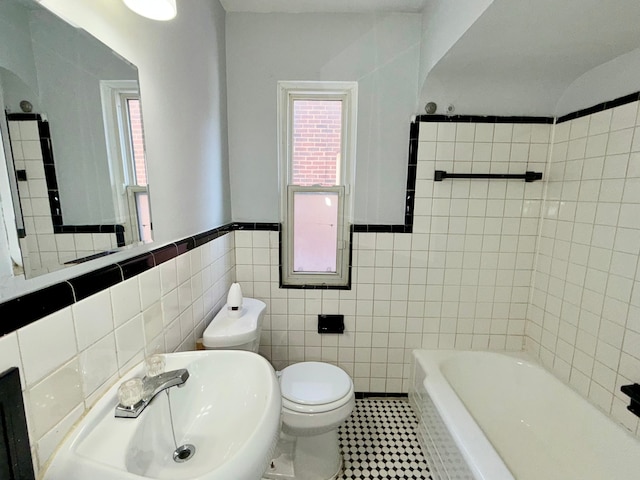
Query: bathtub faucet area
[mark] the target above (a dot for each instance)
(134, 395)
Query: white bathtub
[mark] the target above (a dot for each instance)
(509, 418)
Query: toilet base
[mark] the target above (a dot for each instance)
(314, 457)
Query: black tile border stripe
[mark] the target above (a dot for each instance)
(21, 117)
(23, 310)
(484, 119)
(93, 282)
(633, 97)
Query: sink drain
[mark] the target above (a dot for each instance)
(184, 453)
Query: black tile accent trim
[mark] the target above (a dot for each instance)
(21, 311)
(20, 117)
(58, 227)
(90, 257)
(15, 457)
(484, 119)
(136, 265)
(44, 130)
(633, 97)
(93, 282)
(89, 229)
(185, 245)
(205, 237)
(361, 395)
(164, 254)
(272, 227)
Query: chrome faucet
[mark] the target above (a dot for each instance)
(152, 386)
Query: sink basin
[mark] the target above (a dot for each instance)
(229, 409)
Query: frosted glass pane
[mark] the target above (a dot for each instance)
(317, 142)
(144, 216)
(315, 232)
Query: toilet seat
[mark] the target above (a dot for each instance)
(314, 387)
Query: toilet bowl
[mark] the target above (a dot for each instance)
(316, 399)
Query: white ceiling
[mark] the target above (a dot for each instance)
(532, 51)
(322, 6)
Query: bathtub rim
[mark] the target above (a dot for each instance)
(477, 450)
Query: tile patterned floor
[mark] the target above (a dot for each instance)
(378, 441)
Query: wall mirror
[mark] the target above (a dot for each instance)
(72, 154)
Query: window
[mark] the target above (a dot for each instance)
(316, 134)
(125, 144)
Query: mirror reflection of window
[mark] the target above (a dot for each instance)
(125, 140)
(137, 188)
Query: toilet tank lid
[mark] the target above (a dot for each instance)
(314, 383)
(225, 331)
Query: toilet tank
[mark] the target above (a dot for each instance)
(239, 331)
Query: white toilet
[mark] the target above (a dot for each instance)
(316, 399)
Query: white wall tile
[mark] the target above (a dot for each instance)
(54, 397)
(98, 363)
(594, 320)
(150, 287)
(53, 335)
(125, 301)
(93, 318)
(168, 276)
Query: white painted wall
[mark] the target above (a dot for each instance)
(443, 23)
(16, 54)
(182, 70)
(519, 58)
(379, 51)
(611, 80)
(182, 79)
(70, 64)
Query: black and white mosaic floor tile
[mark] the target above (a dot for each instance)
(379, 441)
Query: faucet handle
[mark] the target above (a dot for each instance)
(154, 365)
(130, 392)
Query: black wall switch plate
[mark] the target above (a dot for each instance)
(330, 323)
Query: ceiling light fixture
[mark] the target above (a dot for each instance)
(153, 9)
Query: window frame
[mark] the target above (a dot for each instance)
(115, 95)
(347, 93)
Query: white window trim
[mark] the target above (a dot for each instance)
(287, 93)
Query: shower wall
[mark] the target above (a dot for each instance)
(584, 317)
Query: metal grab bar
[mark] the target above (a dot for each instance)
(440, 175)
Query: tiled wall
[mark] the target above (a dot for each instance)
(68, 359)
(44, 251)
(585, 310)
(461, 280)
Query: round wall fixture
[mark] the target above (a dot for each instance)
(25, 106)
(430, 108)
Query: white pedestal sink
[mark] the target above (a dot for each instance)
(229, 409)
